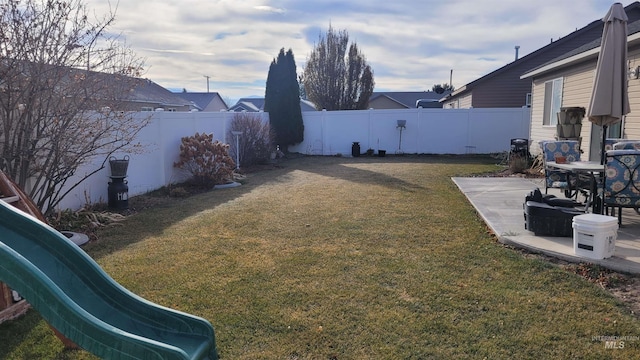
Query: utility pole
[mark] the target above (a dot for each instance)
(207, 82)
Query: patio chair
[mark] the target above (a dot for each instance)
(555, 178)
(622, 182)
(626, 145)
(608, 143)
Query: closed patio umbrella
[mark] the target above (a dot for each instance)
(609, 99)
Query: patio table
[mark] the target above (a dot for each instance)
(591, 168)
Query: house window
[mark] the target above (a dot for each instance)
(552, 101)
(146, 108)
(615, 131)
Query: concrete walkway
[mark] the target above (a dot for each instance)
(499, 201)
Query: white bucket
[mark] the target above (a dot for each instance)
(594, 236)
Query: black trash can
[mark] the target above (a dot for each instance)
(355, 149)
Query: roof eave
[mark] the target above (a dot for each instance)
(586, 55)
(455, 93)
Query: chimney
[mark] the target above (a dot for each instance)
(517, 48)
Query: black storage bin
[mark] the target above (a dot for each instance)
(355, 149)
(520, 147)
(544, 219)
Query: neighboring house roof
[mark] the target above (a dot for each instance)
(249, 104)
(255, 104)
(118, 91)
(147, 91)
(205, 101)
(504, 86)
(403, 99)
(245, 106)
(378, 100)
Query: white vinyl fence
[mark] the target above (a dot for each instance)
(427, 131)
(159, 147)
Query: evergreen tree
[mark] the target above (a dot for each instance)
(282, 100)
(440, 88)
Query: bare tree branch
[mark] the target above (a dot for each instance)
(335, 79)
(63, 80)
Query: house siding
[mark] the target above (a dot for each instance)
(461, 102)
(504, 88)
(577, 88)
(538, 131)
(632, 120)
(466, 102)
(576, 92)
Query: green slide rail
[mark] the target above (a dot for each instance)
(79, 299)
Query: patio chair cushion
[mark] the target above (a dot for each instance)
(626, 145)
(570, 149)
(567, 148)
(608, 143)
(621, 183)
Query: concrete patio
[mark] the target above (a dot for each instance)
(499, 201)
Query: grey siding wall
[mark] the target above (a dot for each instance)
(504, 88)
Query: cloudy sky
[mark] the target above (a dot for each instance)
(411, 45)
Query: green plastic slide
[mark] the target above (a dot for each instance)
(75, 296)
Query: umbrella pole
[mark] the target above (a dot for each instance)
(604, 139)
(600, 195)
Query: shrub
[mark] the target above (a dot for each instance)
(178, 192)
(518, 163)
(255, 143)
(206, 160)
